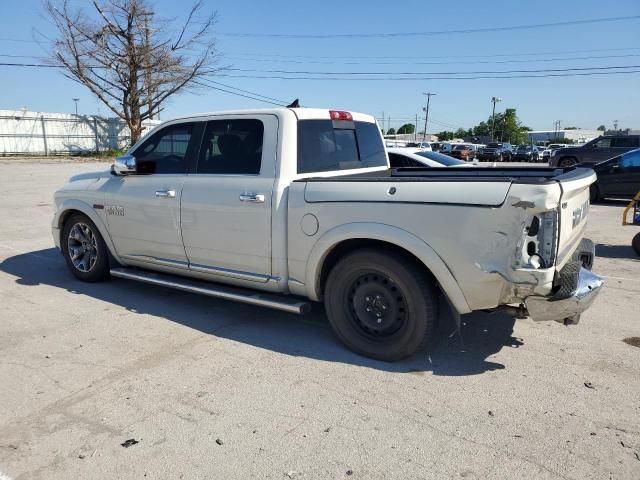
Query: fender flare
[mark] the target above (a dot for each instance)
(89, 211)
(390, 234)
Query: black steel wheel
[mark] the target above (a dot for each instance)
(635, 243)
(380, 305)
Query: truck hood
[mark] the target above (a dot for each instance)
(91, 176)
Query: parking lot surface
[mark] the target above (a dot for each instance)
(212, 389)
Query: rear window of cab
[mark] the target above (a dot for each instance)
(326, 145)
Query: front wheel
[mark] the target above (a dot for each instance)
(84, 249)
(380, 305)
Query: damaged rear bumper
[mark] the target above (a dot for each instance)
(566, 310)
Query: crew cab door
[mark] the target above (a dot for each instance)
(625, 174)
(143, 209)
(598, 150)
(226, 203)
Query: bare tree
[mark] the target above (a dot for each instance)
(128, 57)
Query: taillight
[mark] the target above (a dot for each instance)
(339, 115)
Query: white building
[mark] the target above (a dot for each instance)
(578, 135)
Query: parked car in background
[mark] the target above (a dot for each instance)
(463, 152)
(617, 177)
(414, 157)
(420, 145)
(496, 152)
(435, 146)
(445, 147)
(595, 151)
(526, 153)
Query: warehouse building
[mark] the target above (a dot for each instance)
(578, 135)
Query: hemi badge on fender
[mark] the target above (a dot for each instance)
(97, 206)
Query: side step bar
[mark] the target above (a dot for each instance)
(278, 302)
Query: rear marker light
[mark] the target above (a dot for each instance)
(339, 115)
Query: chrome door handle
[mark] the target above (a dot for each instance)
(166, 193)
(252, 197)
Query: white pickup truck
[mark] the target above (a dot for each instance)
(287, 205)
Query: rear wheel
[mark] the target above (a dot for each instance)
(380, 305)
(594, 193)
(567, 162)
(84, 249)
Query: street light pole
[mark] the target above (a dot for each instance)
(76, 100)
(426, 115)
(494, 100)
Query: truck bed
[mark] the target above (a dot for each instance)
(457, 174)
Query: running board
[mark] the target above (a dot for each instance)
(278, 302)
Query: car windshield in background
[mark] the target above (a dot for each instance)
(445, 160)
(323, 148)
(494, 145)
(460, 147)
(524, 148)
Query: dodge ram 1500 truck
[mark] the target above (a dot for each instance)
(281, 206)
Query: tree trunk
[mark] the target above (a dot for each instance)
(135, 126)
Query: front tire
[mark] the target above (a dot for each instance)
(84, 249)
(380, 305)
(594, 193)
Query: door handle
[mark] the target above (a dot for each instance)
(252, 197)
(166, 193)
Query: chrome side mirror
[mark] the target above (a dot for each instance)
(125, 165)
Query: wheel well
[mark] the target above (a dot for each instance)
(347, 246)
(65, 215)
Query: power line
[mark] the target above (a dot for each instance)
(478, 72)
(284, 102)
(318, 36)
(571, 72)
(237, 94)
(280, 77)
(494, 55)
(458, 62)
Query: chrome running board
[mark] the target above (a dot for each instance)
(252, 297)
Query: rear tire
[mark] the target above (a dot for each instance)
(594, 193)
(567, 162)
(84, 249)
(380, 305)
(635, 243)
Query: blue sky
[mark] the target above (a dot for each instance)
(578, 101)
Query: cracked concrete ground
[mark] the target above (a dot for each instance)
(212, 389)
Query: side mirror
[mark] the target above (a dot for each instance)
(125, 165)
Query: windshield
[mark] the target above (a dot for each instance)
(524, 148)
(460, 147)
(445, 160)
(494, 145)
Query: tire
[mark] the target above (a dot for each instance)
(635, 243)
(84, 249)
(567, 280)
(567, 162)
(381, 305)
(594, 193)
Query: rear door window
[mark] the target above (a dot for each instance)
(625, 142)
(324, 145)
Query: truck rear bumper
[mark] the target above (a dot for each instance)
(566, 310)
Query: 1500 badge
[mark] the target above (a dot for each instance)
(113, 210)
(580, 214)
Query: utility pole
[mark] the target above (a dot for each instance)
(615, 125)
(415, 130)
(494, 100)
(76, 100)
(426, 115)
